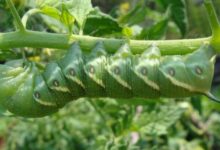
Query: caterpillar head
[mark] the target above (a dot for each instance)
(192, 73)
(200, 67)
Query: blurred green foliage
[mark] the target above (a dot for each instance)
(109, 124)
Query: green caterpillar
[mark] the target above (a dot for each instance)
(27, 91)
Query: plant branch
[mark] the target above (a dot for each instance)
(214, 23)
(63, 41)
(213, 19)
(15, 15)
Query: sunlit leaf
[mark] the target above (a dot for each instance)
(51, 11)
(43, 3)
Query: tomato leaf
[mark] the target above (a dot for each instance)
(99, 24)
(80, 10)
(157, 121)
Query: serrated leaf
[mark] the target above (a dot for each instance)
(62, 16)
(80, 9)
(99, 24)
(157, 122)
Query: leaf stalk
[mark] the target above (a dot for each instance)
(16, 16)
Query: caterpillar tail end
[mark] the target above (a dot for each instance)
(212, 97)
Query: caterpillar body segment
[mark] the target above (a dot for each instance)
(30, 93)
(17, 92)
(94, 69)
(71, 66)
(145, 74)
(187, 75)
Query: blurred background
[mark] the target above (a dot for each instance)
(111, 124)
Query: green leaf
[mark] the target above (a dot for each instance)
(99, 24)
(178, 13)
(158, 120)
(51, 11)
(7, 54)
(127, 32)
(80, 10)
(3, 128)
(63, 16)
(135, 16)
(2, 110)
(43, 3)
(156, 31)
(138, 101)
(67, 18)
(54, 24)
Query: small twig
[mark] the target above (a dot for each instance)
(15, 15)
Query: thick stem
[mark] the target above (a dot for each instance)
(15, 15)
(63, 41)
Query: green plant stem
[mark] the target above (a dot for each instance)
(63, 41)
(214, 22)
(213, 19)
(15, 15)
(28, 14)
